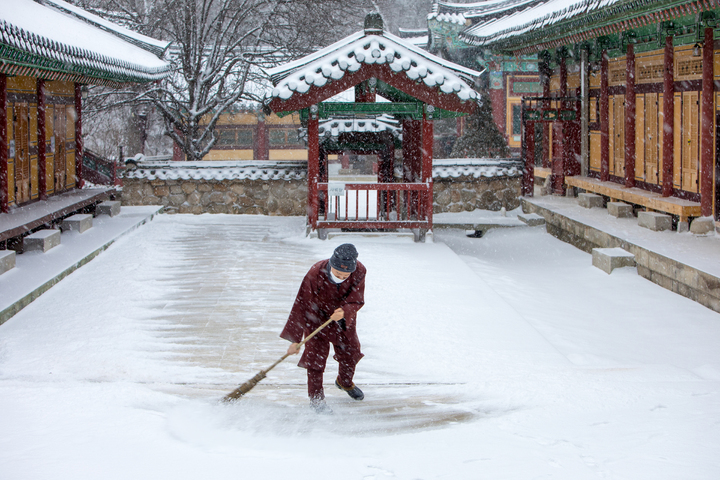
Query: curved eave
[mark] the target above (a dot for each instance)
(22, 50)
(418, 90)
(588, 23)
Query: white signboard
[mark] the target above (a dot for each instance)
(336, 189)
(11, 150)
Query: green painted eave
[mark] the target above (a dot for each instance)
(609, 17)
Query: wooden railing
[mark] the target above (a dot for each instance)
(376, 206)
(100, 171)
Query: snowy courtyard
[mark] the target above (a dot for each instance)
(502, 357)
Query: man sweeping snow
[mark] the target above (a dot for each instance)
(332, 289)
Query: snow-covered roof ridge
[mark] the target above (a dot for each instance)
(47, 39)
(219, 171)
(349, 54)
(157, 47)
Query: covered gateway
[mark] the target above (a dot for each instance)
(419, 87)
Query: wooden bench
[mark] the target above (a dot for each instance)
(683, 209)
(542, 172)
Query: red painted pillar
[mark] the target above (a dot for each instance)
(497, 97)
(668, 118)
(546, 73)
(630, 116)
(4, 192)
(177, 151)
(560, 159)
(313, 167)
(426, 174)
(41, 132)
(708, 127)
(529, 152)
(261, 145)
(604, 119)
(412, 159)
(79, 146)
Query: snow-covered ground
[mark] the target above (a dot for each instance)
(507, 356)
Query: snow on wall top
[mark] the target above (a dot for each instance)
(348, 55)
(217, 171)
(476, 167)
(284, 170)
(46, 31)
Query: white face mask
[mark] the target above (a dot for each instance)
(336, 279)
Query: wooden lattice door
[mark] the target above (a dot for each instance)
(22, 153)
(690, 149)
(60, 154)
(617, 135)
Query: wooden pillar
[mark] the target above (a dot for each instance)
(630, 116)
(41, 133)
(313, 166)
(426, 173)
(545, 74)
(561, 158)
(528, 185)
(261, 144)
(708, 126)
(79, 145)
(4, 192)
(604, 119)
(412, 158)
(668, 118)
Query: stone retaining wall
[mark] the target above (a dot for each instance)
(238, 196)
(467, 193)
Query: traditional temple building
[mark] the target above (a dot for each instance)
(49, 50)
(629, 100)
(507, 78)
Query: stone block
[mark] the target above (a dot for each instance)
(42, 240)
(531, 219)
(590, 200)
(702, 225)
(7, 260)
(620, 209)
(655, 221)
(110, 208)
(79, 222)
(608, 259)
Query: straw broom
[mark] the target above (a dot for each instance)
(250, 384)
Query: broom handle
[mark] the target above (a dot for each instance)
(317, 330)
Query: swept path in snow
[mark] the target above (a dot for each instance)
(502, 363)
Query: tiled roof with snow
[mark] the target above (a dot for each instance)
(218, 171)
(333, 127)
(53, 37)
(476, 168)
(348, 55)
(285, 170)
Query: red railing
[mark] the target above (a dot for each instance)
(376, 206)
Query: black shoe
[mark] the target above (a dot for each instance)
(354, 392)
(320, 407)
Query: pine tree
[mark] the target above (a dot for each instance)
(481, 138)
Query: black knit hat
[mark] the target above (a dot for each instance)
(344, 258)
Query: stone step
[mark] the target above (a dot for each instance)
(655, 221)
(590, 200)
(531, 219)
(108, 207)
(620, 209)
(79, 222)
(7, 260)
(608, 259)
(42, 240)
(702, 225)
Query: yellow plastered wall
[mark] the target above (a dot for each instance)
(289, 154)
(240, 154)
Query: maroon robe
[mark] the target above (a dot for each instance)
(316, 301)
